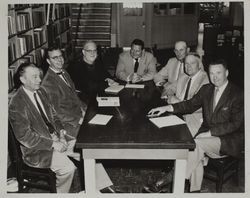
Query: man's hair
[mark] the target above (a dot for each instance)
(20, 71)
(50, 49)
(138, 42)
(219, 62)
(87, 42)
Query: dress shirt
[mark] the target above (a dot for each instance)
(129, 76)
(193, 78)
(220, 92)
(31, 97)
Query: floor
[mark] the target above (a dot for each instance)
(130, 177)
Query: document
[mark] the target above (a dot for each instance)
(100, 119)
(167, 121)
(108, 101)
(114, 89)
(135, 86)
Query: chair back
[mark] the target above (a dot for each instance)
(15, 152)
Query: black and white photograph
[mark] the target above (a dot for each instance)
(124, 98)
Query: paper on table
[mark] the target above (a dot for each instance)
(100, 119)
(114, 89)
(137, 86)
(167, 121)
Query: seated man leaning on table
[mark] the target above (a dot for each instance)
(187, 85)
(89, 75)
(221, 131)
(136, 65)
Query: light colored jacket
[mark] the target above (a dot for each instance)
(146, 69)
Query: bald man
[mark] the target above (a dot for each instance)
(187, 86)
(169, 74)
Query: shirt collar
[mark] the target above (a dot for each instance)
(223, 87)
(55, 70)
(195, 76)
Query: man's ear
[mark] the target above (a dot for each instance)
(22, 79)
(188, 49)
(48, 61)
(83, 52)
(227, 72)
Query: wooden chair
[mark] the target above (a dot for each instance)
(29, 176)
(223, 169)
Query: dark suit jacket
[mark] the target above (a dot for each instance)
(89, 79)
(30, 129)
(65, 100)
(225, 122)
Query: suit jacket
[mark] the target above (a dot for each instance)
(89, 79)
(30, 129)
(181, 83)
(193, 120)
(146, 69)
(64, 98)
(225, 122)
(169, 71)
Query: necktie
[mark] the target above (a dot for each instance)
(136, 65)
(180, 71)
(187, 89)
(64, 77)
(49, 125)
(215, 97)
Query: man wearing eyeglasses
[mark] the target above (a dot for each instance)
(59, 86)
(170, 73)
(89, 75)
(70, 109)
(136, 65)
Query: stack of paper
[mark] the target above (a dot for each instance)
(167, 121)
(100, 119)
(108, 101)
(114, 89)
(135, 86)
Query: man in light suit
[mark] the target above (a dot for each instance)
(43, 141)
(170, 73)
(187, 86)
(61, 91)
(223, 118)
(137, 65)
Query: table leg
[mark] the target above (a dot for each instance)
(89, 176)
(179, 176)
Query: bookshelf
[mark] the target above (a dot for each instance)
(34, 27)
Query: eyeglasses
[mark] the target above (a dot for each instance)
(179, 51)
(91, 51)
(57, 57)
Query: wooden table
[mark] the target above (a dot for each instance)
(130, 135)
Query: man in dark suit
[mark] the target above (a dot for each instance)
(89, 75)
(136, 65)
(62, 94)
(223, 118)
(61, 91)
(44, 142)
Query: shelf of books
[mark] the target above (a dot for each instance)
(34, 27)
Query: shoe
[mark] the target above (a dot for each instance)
(161, 185)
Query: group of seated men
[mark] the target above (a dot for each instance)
(46, 112)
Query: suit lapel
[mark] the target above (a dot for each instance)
(30, 104)
(195, 85)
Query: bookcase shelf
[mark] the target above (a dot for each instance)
(34, 27)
